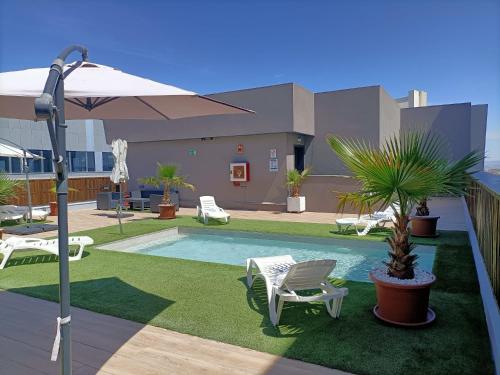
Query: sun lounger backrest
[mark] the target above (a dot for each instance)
(308, 275)
(207, 202)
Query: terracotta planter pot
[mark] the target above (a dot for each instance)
(403, 304)
(167, 211)
(424, 226)
(53, 208)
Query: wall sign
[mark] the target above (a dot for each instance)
(240, 149)
(239, 172)
(272, 153)
(192, 152)
(273, 165)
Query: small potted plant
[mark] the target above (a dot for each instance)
(166, 175)
(294, 180)
(403, 172)
(422, 224)
(53, 197)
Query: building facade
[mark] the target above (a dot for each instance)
(288, 130)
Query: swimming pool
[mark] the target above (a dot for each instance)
(355, 258)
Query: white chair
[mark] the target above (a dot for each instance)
(11, 212)
(376, 220)
(284, 277)
(11, 244)
(208, 209)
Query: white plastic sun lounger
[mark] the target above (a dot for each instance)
(208, 209)
(11, 212)
(51, 246)
(376, 219)
(8, 213)
(284, 277)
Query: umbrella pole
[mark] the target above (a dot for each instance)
(26, 171)
(50, 107)
(62, 212)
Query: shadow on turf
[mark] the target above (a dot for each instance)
(29, 260)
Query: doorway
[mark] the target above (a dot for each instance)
(299, 152)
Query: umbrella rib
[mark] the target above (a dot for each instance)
(226, 104)
(151, 107)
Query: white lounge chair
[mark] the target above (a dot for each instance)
(376, 219)
(208, 209)
(284, 277)
(8, 213)
(11, 244)
(11, 212)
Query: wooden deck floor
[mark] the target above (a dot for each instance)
(108, 345)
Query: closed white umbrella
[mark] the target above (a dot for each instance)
(119, 174)
(85, 90)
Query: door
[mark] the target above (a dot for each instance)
(299, 152)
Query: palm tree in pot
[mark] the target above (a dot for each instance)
(294, 181)
(166, 176)
(403, 172)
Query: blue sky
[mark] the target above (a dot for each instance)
(451, 49)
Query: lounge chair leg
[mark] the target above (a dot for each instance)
(249, 273)
(5, 259)
(272, 310)
(280, 309)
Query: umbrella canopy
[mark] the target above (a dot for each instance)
(94, 91)
(15, 152)
(119, 173)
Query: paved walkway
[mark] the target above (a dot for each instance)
(106, 345)
(449, 209)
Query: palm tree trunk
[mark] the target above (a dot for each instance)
(401, 261)
(166, 194)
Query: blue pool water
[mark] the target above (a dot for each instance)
(354, 258)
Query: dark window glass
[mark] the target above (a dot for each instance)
(90, 161)
(15, 164)
(47, 161)
(107, 161)
(4, 164)
(78, 161)
(35, 165)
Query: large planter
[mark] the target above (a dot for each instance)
(296, 204)
(403, 302)
(167, 211)
(424, 226)
(53, 208)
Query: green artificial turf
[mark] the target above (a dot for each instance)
(211, 300)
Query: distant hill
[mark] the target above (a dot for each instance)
(492, 166)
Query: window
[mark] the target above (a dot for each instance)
(90, 161)
(107, 161)
(35, 165)
(81, 161)
(15, 165)
(47, 161)
(78, 161)
(4, 164)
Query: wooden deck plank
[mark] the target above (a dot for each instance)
(111, 346)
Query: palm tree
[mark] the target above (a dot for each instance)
(295, 179)
(8, 188)
(403, 172)
(166, 175)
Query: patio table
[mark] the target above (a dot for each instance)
(142, 201)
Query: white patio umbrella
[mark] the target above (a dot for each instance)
(119, 174)
(13, 150)
(90, 91)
